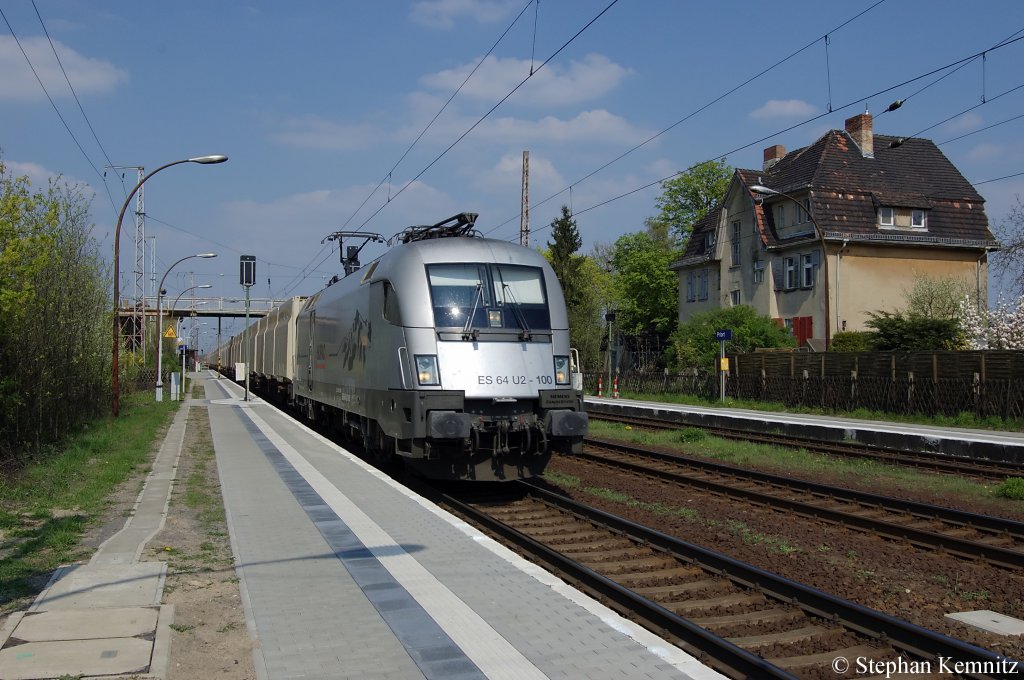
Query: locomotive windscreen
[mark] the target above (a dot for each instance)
(498, 296)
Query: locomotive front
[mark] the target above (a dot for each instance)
(487, 337)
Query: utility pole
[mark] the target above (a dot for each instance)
(137, 337)
(524, 219)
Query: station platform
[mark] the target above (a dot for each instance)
(951, 441)
(345, 573)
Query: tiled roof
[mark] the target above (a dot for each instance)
(695, 250)
(847, 188)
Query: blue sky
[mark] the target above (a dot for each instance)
(316, 102)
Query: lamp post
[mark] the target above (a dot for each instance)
(766, 191)
(115, 382)
(160, 322)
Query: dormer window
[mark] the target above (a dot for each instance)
(887, 216)
(709, 241)
(902, 218)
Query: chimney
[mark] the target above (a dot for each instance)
(773, 154)
(860, 130)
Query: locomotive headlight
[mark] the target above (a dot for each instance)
(426, 369)
(562, 370)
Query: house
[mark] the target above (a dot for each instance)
(821, 236)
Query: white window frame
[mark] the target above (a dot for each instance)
(790, 279)
(758, 271)
(924, 218)
(807, 271)
(780, 215)
(803, 212)
(882, 215)
(734, 297)
(789, 325)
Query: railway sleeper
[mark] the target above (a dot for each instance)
(825, 659)
(690, 608)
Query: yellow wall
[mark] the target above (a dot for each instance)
(878, 277)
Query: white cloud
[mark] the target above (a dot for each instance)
(314, 132)
(40, 176)
(505, 177)
(443, 13)
(598, 126)
(784, 108)
(86, 75)
(964, 123)
(555, 85)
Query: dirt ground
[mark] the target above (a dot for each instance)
(209, 638)
(889, 576)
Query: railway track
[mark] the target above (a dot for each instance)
(742, 620)
(978, 468)
(968, 535)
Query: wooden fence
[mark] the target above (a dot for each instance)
(986, 383)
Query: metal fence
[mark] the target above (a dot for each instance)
(985, 383)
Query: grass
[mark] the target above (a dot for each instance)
(788, 460)
(47, 506)
(965, 419)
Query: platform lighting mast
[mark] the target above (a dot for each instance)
(524, 220)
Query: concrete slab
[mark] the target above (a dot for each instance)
(989, 621)
(76, 657)
(87, 624)
(109, 585)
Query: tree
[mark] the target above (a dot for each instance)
(585, 286)
(899, 332)
(55, 333)
(937, 297)
(1009, 262)
(564, 260)
(691, 195)
(646, 289)
(999, 328)
(693, 344)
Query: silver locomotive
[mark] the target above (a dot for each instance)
(450, 351)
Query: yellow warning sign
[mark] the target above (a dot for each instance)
(170, 332)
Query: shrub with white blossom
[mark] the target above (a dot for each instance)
(999, 328)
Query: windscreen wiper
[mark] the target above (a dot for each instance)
(524, 334)
(467, 334)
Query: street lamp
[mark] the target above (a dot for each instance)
(160, 322)
(116, 383)
(174, 305)
(766, 191)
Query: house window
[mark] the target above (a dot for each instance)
(709, 241)
(807, 265)
(691, 294)
(735, 243)
(780, 215)
(702, 288)
(789, 326)
(758, 271)
(789, 271)
(918, 219)
(734, 297)
(803, 211)
(886, 216)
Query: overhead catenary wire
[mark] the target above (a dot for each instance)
(495, 108)
(75, 95)
(478, 122)
(987, 127)
(696, 111)
(853, 102)
(56, 110)
(390, 174)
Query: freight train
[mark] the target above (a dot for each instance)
(449, 352)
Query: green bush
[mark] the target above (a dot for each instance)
(851, 341)
(898, 332)
(693, 344)
(1012, 488)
